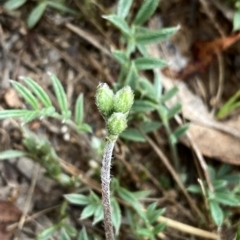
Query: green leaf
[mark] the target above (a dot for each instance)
(148, 63)
(61, 96)
(26, 94)
(71, 231)
(77, 199)
(229, 106)
(132, 76)
(143, 50)
(153, 213)
(232, 178)
(61, 7)
(93, 198)
(30, 116)
(216, 213)
(219, 184)
(128, 197)
(88, 211)
(131, 47)
(171, 112)
(236, 21)
(169, 94)
(149, 37)
(132, 134)
(85, 128)
(36, 14)
(120, 23)
(13, 113)
(212, 173)
(226, 198)
(145, 12)
(147, 88)
(157, 85)
(79, 110)
(141, 194)
(47, 233)
(98, 215)
(83, 235)
(11, 154)
(150, 126)
(223, 170)
(151, 207)
(180, 131)
(156, 214)
(13, 4)
(238, 233)
(120, 56)
(46, 112)
(64, 235)
(38, 91)
(163, 113)
(194, 189)
(123, 8)
(145, 232)
(159, 228)
(116, 215)
(143, 106)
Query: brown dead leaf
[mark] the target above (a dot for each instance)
(215, 144)
(204, 52)
(11, 98)
(8, 214)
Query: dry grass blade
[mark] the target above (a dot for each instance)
(89, 38)
(188, 229)
(174, 175)
(29, 198)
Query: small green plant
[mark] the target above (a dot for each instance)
(148, 96)
(230, 106)
(142, 224)
(114, 109)
(226, 192)
(41, 106)
(38, 11)
(40, 149)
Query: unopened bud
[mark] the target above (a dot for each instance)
(123, 100)
(104, 99)
(116, 124)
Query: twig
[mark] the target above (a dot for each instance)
(29, 197)
(188, 229)
(206, 6)
(220, 83)
(89, 38)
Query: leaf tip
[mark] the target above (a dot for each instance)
(11, 81)
(105, 16)
(49, 73)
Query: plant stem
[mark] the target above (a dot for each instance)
(173, 148)
(105, 177)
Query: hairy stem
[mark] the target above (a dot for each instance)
(105, 177)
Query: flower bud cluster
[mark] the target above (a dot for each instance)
(114, 107)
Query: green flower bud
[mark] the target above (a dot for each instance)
(123, 100)
(104, 99)
(116, 124)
